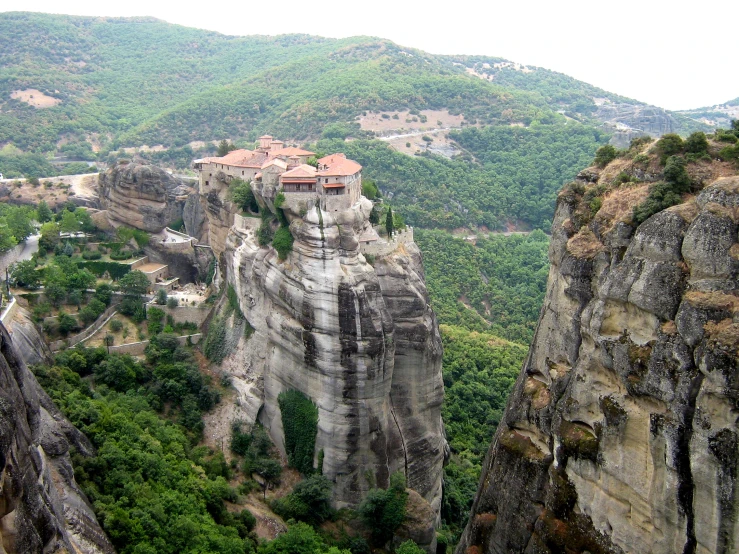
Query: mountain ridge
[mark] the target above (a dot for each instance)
(138, 79)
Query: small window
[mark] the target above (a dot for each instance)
(206, 183)
(242, 172)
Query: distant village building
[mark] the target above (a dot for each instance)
(335, 184)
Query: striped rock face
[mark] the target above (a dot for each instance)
(621, 432)
(41, 507)
(359, 340)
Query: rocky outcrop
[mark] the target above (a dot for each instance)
(142, 196)
(621, 432)
(359, 341)
(630, 121)
(27, 338)
(41, 507)
(194, 217)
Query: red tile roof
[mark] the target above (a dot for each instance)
(331, 158)
(292, 151)
(303, 171)
(338, 166)
(240, 158)
(274, 161)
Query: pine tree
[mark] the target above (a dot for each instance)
(43, 212)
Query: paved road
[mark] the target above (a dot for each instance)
(27, 249)
(30, 247)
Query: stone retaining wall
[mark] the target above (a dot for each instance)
(9, 311)
(384, 247)
(246, 223)
(86, 333)
(181, 314)
(10, 257)
(138, 348)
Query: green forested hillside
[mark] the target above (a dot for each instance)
(112, 74)
(511, 175)
(495, 285)
(126, 82)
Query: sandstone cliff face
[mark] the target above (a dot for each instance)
(621, 432)
(361, 342)
(27, 339)
(41, 507)
(631, 121)
(142, 196)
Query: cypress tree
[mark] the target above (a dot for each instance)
(389, 222)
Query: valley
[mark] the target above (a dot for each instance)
(314, 278)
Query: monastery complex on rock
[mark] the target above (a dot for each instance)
(335, 183)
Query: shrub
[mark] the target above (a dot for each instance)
(697, 143)
(669, 145)
(104, 293)
(121, 255)
(283, 242)
(605, 155)
(99, 268)
(369, 189)
(243, 196)
(233, 302)
(214, 346)
(116, 325)
(172, 302)
(177, 225)
(66, 323)
(661, 196)
(161, 297)
(156, 318)
(384, 510)
(240, 440)
(641, 159)
(409, 547)
(264, 234)
(300, 423)
(310, 501)
(24, 274)
(730, 154)
(676, 175)
(91, 255)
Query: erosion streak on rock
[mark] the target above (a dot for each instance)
(634, 446)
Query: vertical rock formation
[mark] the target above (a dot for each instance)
(41, 507)
(360, 341)
(621, 432)
(142, 196)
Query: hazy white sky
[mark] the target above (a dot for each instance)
(676, 55)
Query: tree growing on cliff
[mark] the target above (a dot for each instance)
(243, 196)
(384, 510)
(389, 222)
(605, 155)
(669, 145)
(283, 242)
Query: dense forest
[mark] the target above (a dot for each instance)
(495, 285)
(508, 176)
